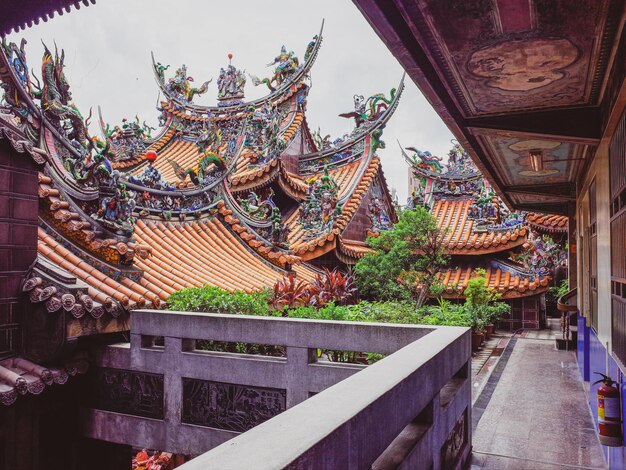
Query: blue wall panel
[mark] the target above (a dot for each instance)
(600, 361)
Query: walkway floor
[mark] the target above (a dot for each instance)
(535, 416)
(485, 359)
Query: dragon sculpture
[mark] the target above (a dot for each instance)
(180, 85)
(426, 160)
(370, 109)
(208, 145)
(56, 98)
(256, 206)
(16, 57)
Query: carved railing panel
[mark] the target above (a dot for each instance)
(128, 392)
(229, 406)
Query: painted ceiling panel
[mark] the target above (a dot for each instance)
(513, 55)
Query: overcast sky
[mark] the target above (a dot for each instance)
(107, 48)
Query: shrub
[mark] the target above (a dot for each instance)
(387, 312)
(407, 258)
(214, 299)
(482, 302)
(447, 314)
(334, 286)
(328, 287)
(289, 293)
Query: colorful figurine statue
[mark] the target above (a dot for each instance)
(321, 207)
(256, 206)
(230, 85)
(56, 99)
(286, 64)
(116, 210)
(180, 86)
(369, 110)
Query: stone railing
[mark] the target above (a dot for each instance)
(413, 405)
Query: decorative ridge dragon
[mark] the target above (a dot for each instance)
(56, 98)
(302, 72)
(384, 109)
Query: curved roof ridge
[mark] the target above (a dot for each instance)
(380, 122)
(298, 77)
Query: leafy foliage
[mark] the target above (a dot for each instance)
(482, 302)
(241, 348)
(334, 286)
(216, 300)
(554, 293)
(447, 314)
(406, 260)
(291, 293)
(329, 286)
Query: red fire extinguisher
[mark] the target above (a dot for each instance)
(609, 412)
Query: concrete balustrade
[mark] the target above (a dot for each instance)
(412, 406)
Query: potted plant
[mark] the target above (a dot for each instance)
(478, 322)
(482, 305)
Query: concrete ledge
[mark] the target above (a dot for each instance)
(354, 416)
(384, 338)
(351, 423)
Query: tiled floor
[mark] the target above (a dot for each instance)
(537, 417)
(485, 359)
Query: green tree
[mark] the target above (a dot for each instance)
(406, 260)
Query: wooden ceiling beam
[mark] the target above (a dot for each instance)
(548, 207)
(580, 125)
(560, 190)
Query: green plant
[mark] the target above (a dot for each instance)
(482, 303)
(290, 293)
(447, 314)
(554, 293)
(334, 286)
(406, 260)
(214, 299)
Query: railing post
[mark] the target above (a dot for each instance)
(136, 354)
(298, 359)
(172, 389)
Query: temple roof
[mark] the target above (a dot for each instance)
(279, 91)
(16, 16)
(461, 236)
(19, 376)
(510, 285)
(129, 219)
(550, 223)
(479, 230)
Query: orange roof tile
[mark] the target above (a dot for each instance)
(461, 238)
(67, 221)
(102, 288)
(548, 222)
(203, 252)
(509, 285)
(156, 146)
(345, 177)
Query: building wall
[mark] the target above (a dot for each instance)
(413, 181)
(18, 236)
(601, 339)
(599, 175)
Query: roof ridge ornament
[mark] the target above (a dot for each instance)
(230, 85)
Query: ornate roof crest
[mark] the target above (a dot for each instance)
(230, 84)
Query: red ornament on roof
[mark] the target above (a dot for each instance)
(230, 56)
(151, 155)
